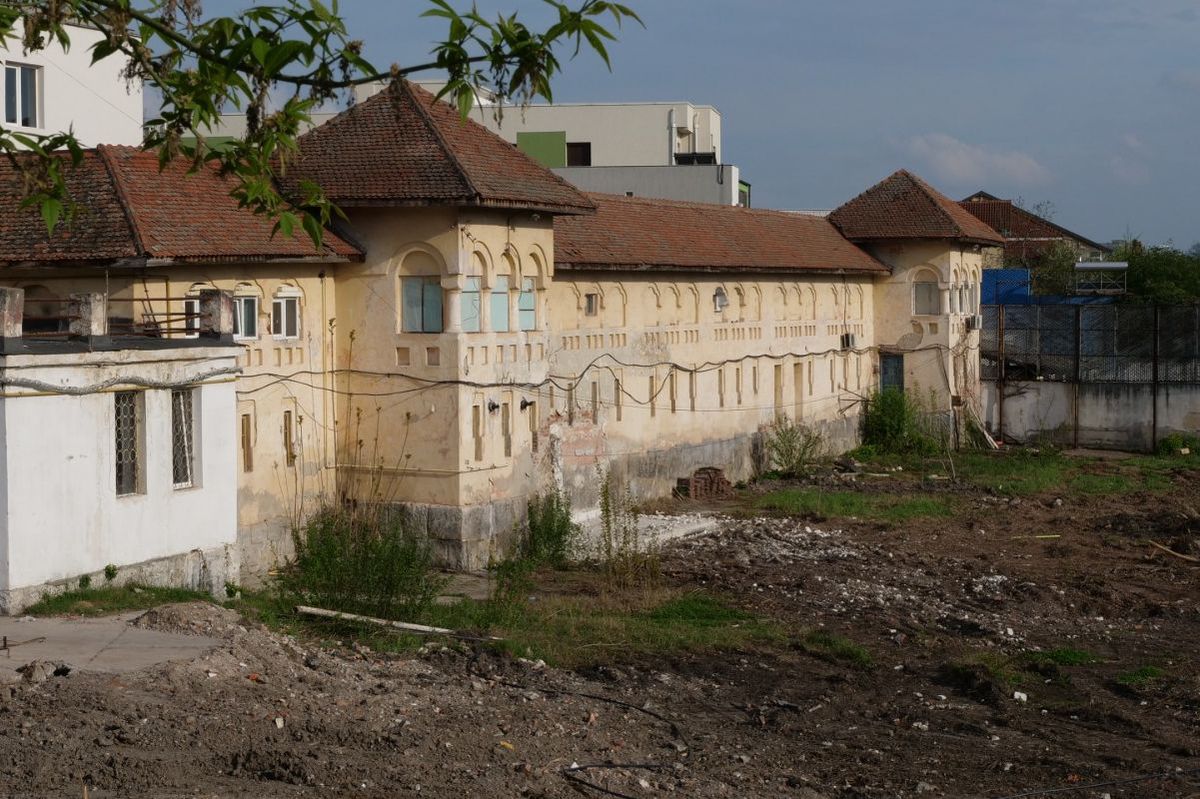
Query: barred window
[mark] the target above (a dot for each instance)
(183, 457)
(127, 424)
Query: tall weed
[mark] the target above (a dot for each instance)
(361, 560)
(628, 556)
(793, 446)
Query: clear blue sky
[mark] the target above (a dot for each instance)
(1093, 105)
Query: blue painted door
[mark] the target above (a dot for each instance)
(891, 371)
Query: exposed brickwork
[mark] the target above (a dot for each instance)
(706, 483)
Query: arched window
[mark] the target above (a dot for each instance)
(498, 303)
(245, 311)
(420, 294)
(527, 305)
(927, 295)
(41, 311)
(285, 313)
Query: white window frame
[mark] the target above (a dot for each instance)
(18, 68)
(591, 304)
(136, 446)
(239, 315)
(191, 319)
(182, 398)
(279, 304)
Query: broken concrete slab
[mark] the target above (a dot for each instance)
(108, 644)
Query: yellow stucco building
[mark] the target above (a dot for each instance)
(478, 331)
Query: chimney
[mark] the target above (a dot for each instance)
(216, 315)
(88, 314)
(12, 312)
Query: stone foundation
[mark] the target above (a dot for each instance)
(202, 570)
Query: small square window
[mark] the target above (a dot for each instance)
(579, 153)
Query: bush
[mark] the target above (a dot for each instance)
(550, 533)
(1171, 444)
(361, 561)
(894, 424)
(110, 572)
(792, 446)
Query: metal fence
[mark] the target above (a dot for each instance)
(1091, 343)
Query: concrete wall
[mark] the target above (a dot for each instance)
(279, 376)
(94, 99)
(1110, 415)
(702, 184)
(61, 514)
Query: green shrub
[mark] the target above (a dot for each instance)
(110, 572)
(361, 561)
(85, 582)
(1171, 444)
(894, 423)
(792, 446)
(550, 534)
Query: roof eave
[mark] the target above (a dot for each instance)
(791, 270)
(462, 202)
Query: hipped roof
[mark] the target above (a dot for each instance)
(403, 147)
(902, 206)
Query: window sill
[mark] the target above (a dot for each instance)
(285, 338)
(245, 338)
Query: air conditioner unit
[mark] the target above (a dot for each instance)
(975, 322)
(849, 341)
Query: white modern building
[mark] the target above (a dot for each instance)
(52, 90)
(661, 150)
(116, 452)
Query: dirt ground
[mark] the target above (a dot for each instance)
(949, 609)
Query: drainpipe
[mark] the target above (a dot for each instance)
(671, 137)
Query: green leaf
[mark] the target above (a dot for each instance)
(51, 213)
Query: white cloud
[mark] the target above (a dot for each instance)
(959, 162)
(1133, 142)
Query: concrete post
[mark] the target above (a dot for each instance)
(12, 312)
(216, 315)
(89, 315)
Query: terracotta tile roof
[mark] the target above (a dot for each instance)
(404, 147)
(129, 210)
(902, 206)
(99, 231)
(637, 233)
(1025, 232)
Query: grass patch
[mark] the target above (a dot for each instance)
(875, 507)
(1142, 677)
(569, 619)
(835, 648)
(107, 600)
(1102, 484)
(1017, 474)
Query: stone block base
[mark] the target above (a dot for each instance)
(201, 570)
